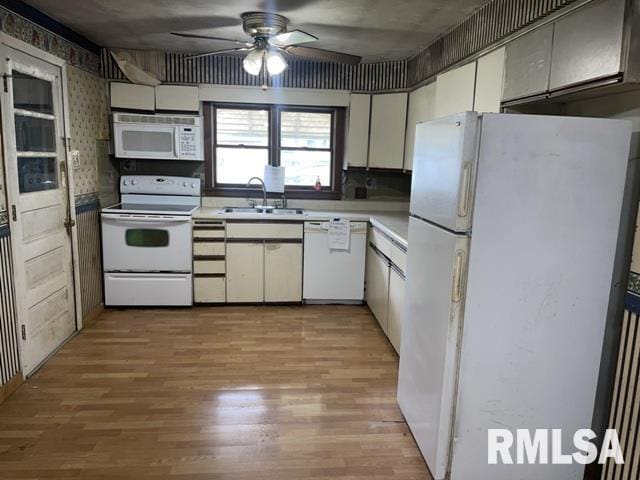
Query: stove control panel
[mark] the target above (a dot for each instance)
(160, 185)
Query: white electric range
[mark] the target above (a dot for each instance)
(146, 241)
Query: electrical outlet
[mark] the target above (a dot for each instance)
(75, 159)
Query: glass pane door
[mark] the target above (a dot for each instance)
(35, 127)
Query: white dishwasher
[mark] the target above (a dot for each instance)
(333, 276)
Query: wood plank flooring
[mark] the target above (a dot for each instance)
(233, 393)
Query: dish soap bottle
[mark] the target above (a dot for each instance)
(318, 186)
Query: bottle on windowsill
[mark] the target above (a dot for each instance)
(318, 186)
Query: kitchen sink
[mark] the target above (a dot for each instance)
(286, 211)
(264, 210)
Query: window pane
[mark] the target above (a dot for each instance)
(303, 129)
(37, 173)
(147, 237)
(30, 93)
(238, 165)
(35, 134)
(304, 167)
(242, 127)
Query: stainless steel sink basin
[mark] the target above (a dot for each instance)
(242, 210)
(264, 210)
(286, 211)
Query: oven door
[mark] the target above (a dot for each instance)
(146, 243)
(146, 141)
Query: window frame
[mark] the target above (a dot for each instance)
(338, 124)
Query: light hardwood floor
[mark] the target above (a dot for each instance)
(233, 393)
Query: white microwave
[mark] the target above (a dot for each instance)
(160, 137)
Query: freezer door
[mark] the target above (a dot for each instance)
(434, 293)
(444, 170)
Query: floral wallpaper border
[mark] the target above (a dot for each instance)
(634, 283)
(33, 34)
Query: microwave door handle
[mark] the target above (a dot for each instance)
(176, 146)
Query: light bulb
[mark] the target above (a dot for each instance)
(252, 63)
(275, 62)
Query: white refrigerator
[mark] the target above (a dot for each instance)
(512, 239)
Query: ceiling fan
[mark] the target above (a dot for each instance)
(269, 39)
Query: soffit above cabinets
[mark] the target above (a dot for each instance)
(375, 30)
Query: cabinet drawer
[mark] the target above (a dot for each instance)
(399, 257)
(208, 266)
(380, 241)
(208, 248)
(209, 290)
(208, 232)
(264, 230)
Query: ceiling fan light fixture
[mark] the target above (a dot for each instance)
(276, 64)
(252, 63)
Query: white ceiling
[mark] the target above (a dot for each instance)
(375, 29)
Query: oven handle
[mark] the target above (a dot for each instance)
(145, 219)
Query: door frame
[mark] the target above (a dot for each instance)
(12, 42)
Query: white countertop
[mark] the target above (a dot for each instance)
(394, 224)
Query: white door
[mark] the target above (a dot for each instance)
(434, 299)
(37, 187)
(283, 272)
(245, 272)
(378, 286)
(443, 170)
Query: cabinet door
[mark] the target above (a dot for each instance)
(357, 145)
(396, 308)
(388, 125)
(378, 287)
(177, 98)
(489, 79)
(245, 272)
(455, 90)
(587, 44)
(283, 272)
(132, 97)
(527, 64)
(422, 104)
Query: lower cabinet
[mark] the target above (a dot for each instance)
(378, 286)
(264, 271)
(386, 263)
(209, 285)
(282, 272)
(396, 307)
(245, 272)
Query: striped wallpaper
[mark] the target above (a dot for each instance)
(90, 255)
(227, 70)
(9, 354)
(625, 411)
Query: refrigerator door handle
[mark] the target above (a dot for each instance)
(465, 187)
(458, 276)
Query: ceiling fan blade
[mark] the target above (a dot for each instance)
(294, 37)
(219, 52)
(208, 37)
(323, 55)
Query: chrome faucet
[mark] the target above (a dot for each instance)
(264, 189)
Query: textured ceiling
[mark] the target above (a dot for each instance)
(375, 29)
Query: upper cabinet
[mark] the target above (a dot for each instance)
(388, 124)
(422, 104)
(357, 145)
(588, 44)
(455, 90)
(527, 64)
(130, 96)
(489, 79)
(177, 98)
